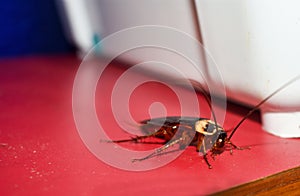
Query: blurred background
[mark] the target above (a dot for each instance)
(260, 40)
(31, 27)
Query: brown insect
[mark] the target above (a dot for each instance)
(206, 135)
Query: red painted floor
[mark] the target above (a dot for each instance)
(43, 154)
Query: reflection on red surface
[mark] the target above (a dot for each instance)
(45, 155)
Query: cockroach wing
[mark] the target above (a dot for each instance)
(167, 127)
(150, 125)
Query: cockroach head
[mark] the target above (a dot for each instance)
(219, 145)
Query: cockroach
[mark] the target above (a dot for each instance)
(205, 134)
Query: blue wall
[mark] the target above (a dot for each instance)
(30, 27)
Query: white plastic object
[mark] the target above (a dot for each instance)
(278, 123)
(256, 45)
(82, 22)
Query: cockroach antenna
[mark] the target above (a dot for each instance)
(261, 103)
(208, 135)
(198, 87)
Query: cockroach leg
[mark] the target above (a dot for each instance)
(135, 139)
(199, 144)
(233, 146)
(206, 161)
(159, 150)
(213, 155)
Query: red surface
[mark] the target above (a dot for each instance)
(45, 155)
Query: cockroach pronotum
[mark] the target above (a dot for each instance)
(203, 133)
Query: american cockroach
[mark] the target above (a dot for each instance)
(205, 134)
